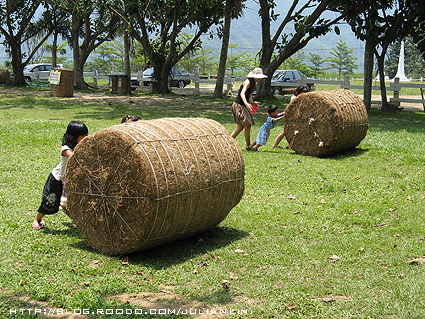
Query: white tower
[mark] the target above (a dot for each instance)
(400, 72)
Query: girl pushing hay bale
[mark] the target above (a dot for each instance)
(326, 122)
(141, 184)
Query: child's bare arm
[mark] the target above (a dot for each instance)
(278, 118)
(67, 152)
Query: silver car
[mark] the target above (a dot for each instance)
(38, 72)
(289, 79)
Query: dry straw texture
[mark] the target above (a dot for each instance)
(326, 122)
(4, 77)
(138, 185)
(66, 86)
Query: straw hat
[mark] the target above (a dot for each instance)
(257, 73)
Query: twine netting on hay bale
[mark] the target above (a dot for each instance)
(141, 184)
(65, 88)
(326, 122)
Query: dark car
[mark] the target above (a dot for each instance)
(290, 78)
(177, 79)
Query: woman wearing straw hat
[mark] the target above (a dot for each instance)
(242, 107)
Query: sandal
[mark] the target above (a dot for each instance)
(36, 225)
(279, 147)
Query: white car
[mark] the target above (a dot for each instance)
(38, 72)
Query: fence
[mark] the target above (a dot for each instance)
(395, 87)
(210, 81)
(141, 83)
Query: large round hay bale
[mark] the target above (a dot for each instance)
(137, 185)
(326, 122)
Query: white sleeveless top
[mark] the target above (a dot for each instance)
(59, 171)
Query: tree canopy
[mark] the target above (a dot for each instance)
(308, 21)
(157, 25)
(380, 23)
(18, 26)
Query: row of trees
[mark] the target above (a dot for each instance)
(158, 27)
(110, 56)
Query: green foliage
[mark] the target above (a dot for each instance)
(18, 24)
(159, 28)
(316, 65)
(235, 61)
(296, 62)
(108, 56)
(342, 60)
(198, 57)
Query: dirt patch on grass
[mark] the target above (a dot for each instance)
(167, 302)
(136, 100)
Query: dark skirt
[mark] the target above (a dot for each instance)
(51, 199)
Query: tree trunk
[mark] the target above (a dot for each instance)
(368, 74)
(127, 60)
(78, 72)
(55, 50)
(160, 79)
(17, 66)
(218, 91)
(264, 90)
(386, 107)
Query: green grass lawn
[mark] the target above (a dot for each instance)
(276, 250)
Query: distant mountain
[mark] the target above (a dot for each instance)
(247, 32)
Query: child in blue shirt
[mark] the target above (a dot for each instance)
(264, 132)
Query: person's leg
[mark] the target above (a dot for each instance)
(279, 139)
(247, 129)
(38, 223)
(237, 130)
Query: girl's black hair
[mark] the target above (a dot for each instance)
(74, 130)
(132, 118)
(300, 89)
(272, 108)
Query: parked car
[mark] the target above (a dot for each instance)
(38, 72)
(288, 76)
(177, 78)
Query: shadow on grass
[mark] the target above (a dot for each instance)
(346, 154)
(177, 252)
(70, 231)
(335, 156)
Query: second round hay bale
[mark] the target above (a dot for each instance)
(326, 122)
(141, 184)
